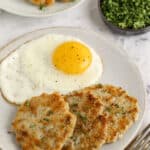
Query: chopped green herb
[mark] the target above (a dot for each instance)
(83, 117)
(41, 6)
(43, 127)
(108, 109)
(32, 126)
(49, 113)
(27, 103)
(86, 108)
(43, 139)
(116, 105)
(74, 138)
(74, 105)
(127, 14)
(124, 113)
(63, 126)
(46, 119)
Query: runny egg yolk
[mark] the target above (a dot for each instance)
(72, 57)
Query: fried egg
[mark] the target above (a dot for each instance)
(50, 63)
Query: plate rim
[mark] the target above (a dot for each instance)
(44, 15)
(110, 43)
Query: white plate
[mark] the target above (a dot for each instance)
(24, 8)
(118, 70)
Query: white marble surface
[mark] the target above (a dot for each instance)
(85, 16)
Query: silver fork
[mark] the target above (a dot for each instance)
(142, 141)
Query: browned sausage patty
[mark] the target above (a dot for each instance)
(43, 123)
(120, 109)
(90, 129)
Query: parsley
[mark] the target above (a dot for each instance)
(74, 104)
(43, 139)
(43, 127)
(82, 117)
(127, 14)
(108, 109)
(27, 103)
(32, 126)
(116, 105)
(46, 119)
(49, 113)
(41, 7)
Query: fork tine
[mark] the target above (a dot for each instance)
(144, 141)
(138, 139)
(146, 146)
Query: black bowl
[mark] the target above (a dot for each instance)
(119, 30)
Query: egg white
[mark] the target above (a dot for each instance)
(29, 70)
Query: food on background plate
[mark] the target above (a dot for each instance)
(43, 123)
(91, 127)
(127, 14)
(44, 3)
(98, 114)
(50, 63)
